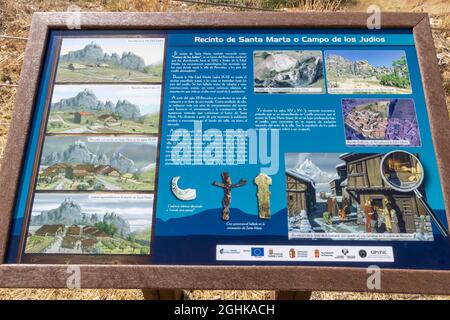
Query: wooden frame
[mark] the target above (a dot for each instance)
(294, 278)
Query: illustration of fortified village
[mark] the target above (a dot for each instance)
(112, 109)
(75, 163)
(344, 197)
(67, 228)
(378, 122)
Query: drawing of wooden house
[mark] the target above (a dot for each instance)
(79, 171)
(364, 182)
(301, 192)
(107, 170)
(335, 184)
(50, 230)
(79, 116)
(55, 170)
(107, 118)
(73, 230)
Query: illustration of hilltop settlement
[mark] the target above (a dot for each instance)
(111, 109)
(343, 196)
(367, 71)
(97, 163)
(288, 71)
(380, 122)
(90, 224)
(111, 60)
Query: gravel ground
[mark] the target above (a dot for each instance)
(15, 17)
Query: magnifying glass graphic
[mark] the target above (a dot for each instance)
(402, 171)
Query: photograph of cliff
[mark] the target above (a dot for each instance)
(288, 71)
(111, 60)
(97, 163)
(114, 109)
(90, 224)
(367, 71)
(380, 122)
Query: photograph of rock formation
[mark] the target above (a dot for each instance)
(62, 223)
(288, 71)
(97, 163)
(110, 109)
(111, 60)
(367, 71)
(380, 122)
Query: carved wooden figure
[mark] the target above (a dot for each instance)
(227, 185)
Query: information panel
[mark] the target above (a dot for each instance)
(268, 147)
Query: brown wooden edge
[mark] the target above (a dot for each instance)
(289, 278)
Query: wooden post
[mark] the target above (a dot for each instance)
(150, 294)
(292, 295)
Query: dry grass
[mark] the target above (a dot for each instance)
(15, 17)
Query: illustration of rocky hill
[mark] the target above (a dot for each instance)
(79, 153)
(91, 64)
(70, 213)
(287, 69)
(93, 53)
(86, 100)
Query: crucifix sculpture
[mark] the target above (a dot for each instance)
(227, 185)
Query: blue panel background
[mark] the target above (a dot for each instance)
(184, 241)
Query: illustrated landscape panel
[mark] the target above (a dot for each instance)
(98, 163)
(288, 71)
(80, 223)
(343, 197)
(380, 122)
(110, 109)
(367, 71)
(111, 60)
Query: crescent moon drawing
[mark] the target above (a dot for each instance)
(182, 194)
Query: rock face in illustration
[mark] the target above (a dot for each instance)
(70, 213)
(131, 61)
(67, 213)
(123, 227)
(86, 100)
(283, 70)
(122, 163)
(76, 153)
(127, 110)
(93, 53)
(338, 66)
(83, 101)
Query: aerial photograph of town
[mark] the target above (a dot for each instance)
(96, 223)
(114, 109)
(380, 122)
(343, 197)
(111, 60)
(97, 163)
(367, 71)
(288, 71)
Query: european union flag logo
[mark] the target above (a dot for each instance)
(257, 252)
